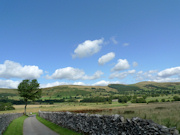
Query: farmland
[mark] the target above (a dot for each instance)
(166, 113)
(159, 103)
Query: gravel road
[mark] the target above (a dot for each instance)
(33, 127)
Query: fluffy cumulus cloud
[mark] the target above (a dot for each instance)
(121, 65)
(12, 69)
(167, 75)
(104, 83)
(122, 75)
(96, 75)
(9, 84)
(60, 83)
(99, 83)
(71, 73)
(159, 79)
(146, 76)
(169, 72)
(79, 83)
(87, 48)
(106, 58)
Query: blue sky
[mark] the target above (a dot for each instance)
(92, 42)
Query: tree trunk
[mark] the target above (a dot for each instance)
(25, 108)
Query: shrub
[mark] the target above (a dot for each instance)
(176, 98)
(6, 106)
(163, 100)
(122, 99)
(140, 100)
(129, 112)
(153, 101)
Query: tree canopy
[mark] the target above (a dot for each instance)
(29, 90)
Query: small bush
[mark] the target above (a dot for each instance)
(160, 108)
(6, 106)
(129, 112)
(163, 100)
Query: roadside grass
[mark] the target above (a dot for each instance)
(56, 128)
(16, 126)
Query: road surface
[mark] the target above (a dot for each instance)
(33, 127)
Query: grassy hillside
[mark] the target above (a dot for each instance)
(169, 85)
(78, 91)
(8, 92)
(66, 91)
(147, 88)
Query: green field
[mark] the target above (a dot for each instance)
(68, 91)
(164, 112)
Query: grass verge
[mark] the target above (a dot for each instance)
(16, 126)
(56, 128)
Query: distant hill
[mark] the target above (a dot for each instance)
(75, 90)
(158, 86)
(8, 92)
(84, 91)
(144, 87)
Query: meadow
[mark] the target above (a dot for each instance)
(163, 113)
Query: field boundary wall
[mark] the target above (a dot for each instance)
(94, 124)
(5, 120)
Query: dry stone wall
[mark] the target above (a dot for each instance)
(5, 120)
(95, 124)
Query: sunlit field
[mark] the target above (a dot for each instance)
(167, 113)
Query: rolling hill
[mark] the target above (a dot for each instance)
(112, 89)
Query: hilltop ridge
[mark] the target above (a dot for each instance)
(111, 89)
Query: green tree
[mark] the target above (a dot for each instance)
(29, 90)
(122, 99)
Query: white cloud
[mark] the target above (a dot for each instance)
(53, 84)
(149, 75)
(79, 83)
(121, 65)
(135, 64)
(104, 83)
(169, 72)
(99, 83)
(159, 79)
(154, 75)
(152, 71)
(87, 48)
(114, 40)
(9, 84)
(60, 83)
(71, 73)
(12, 69)
(140, 72)
(106, 58)
(121, 75)
(96, 75)
(126, 44)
